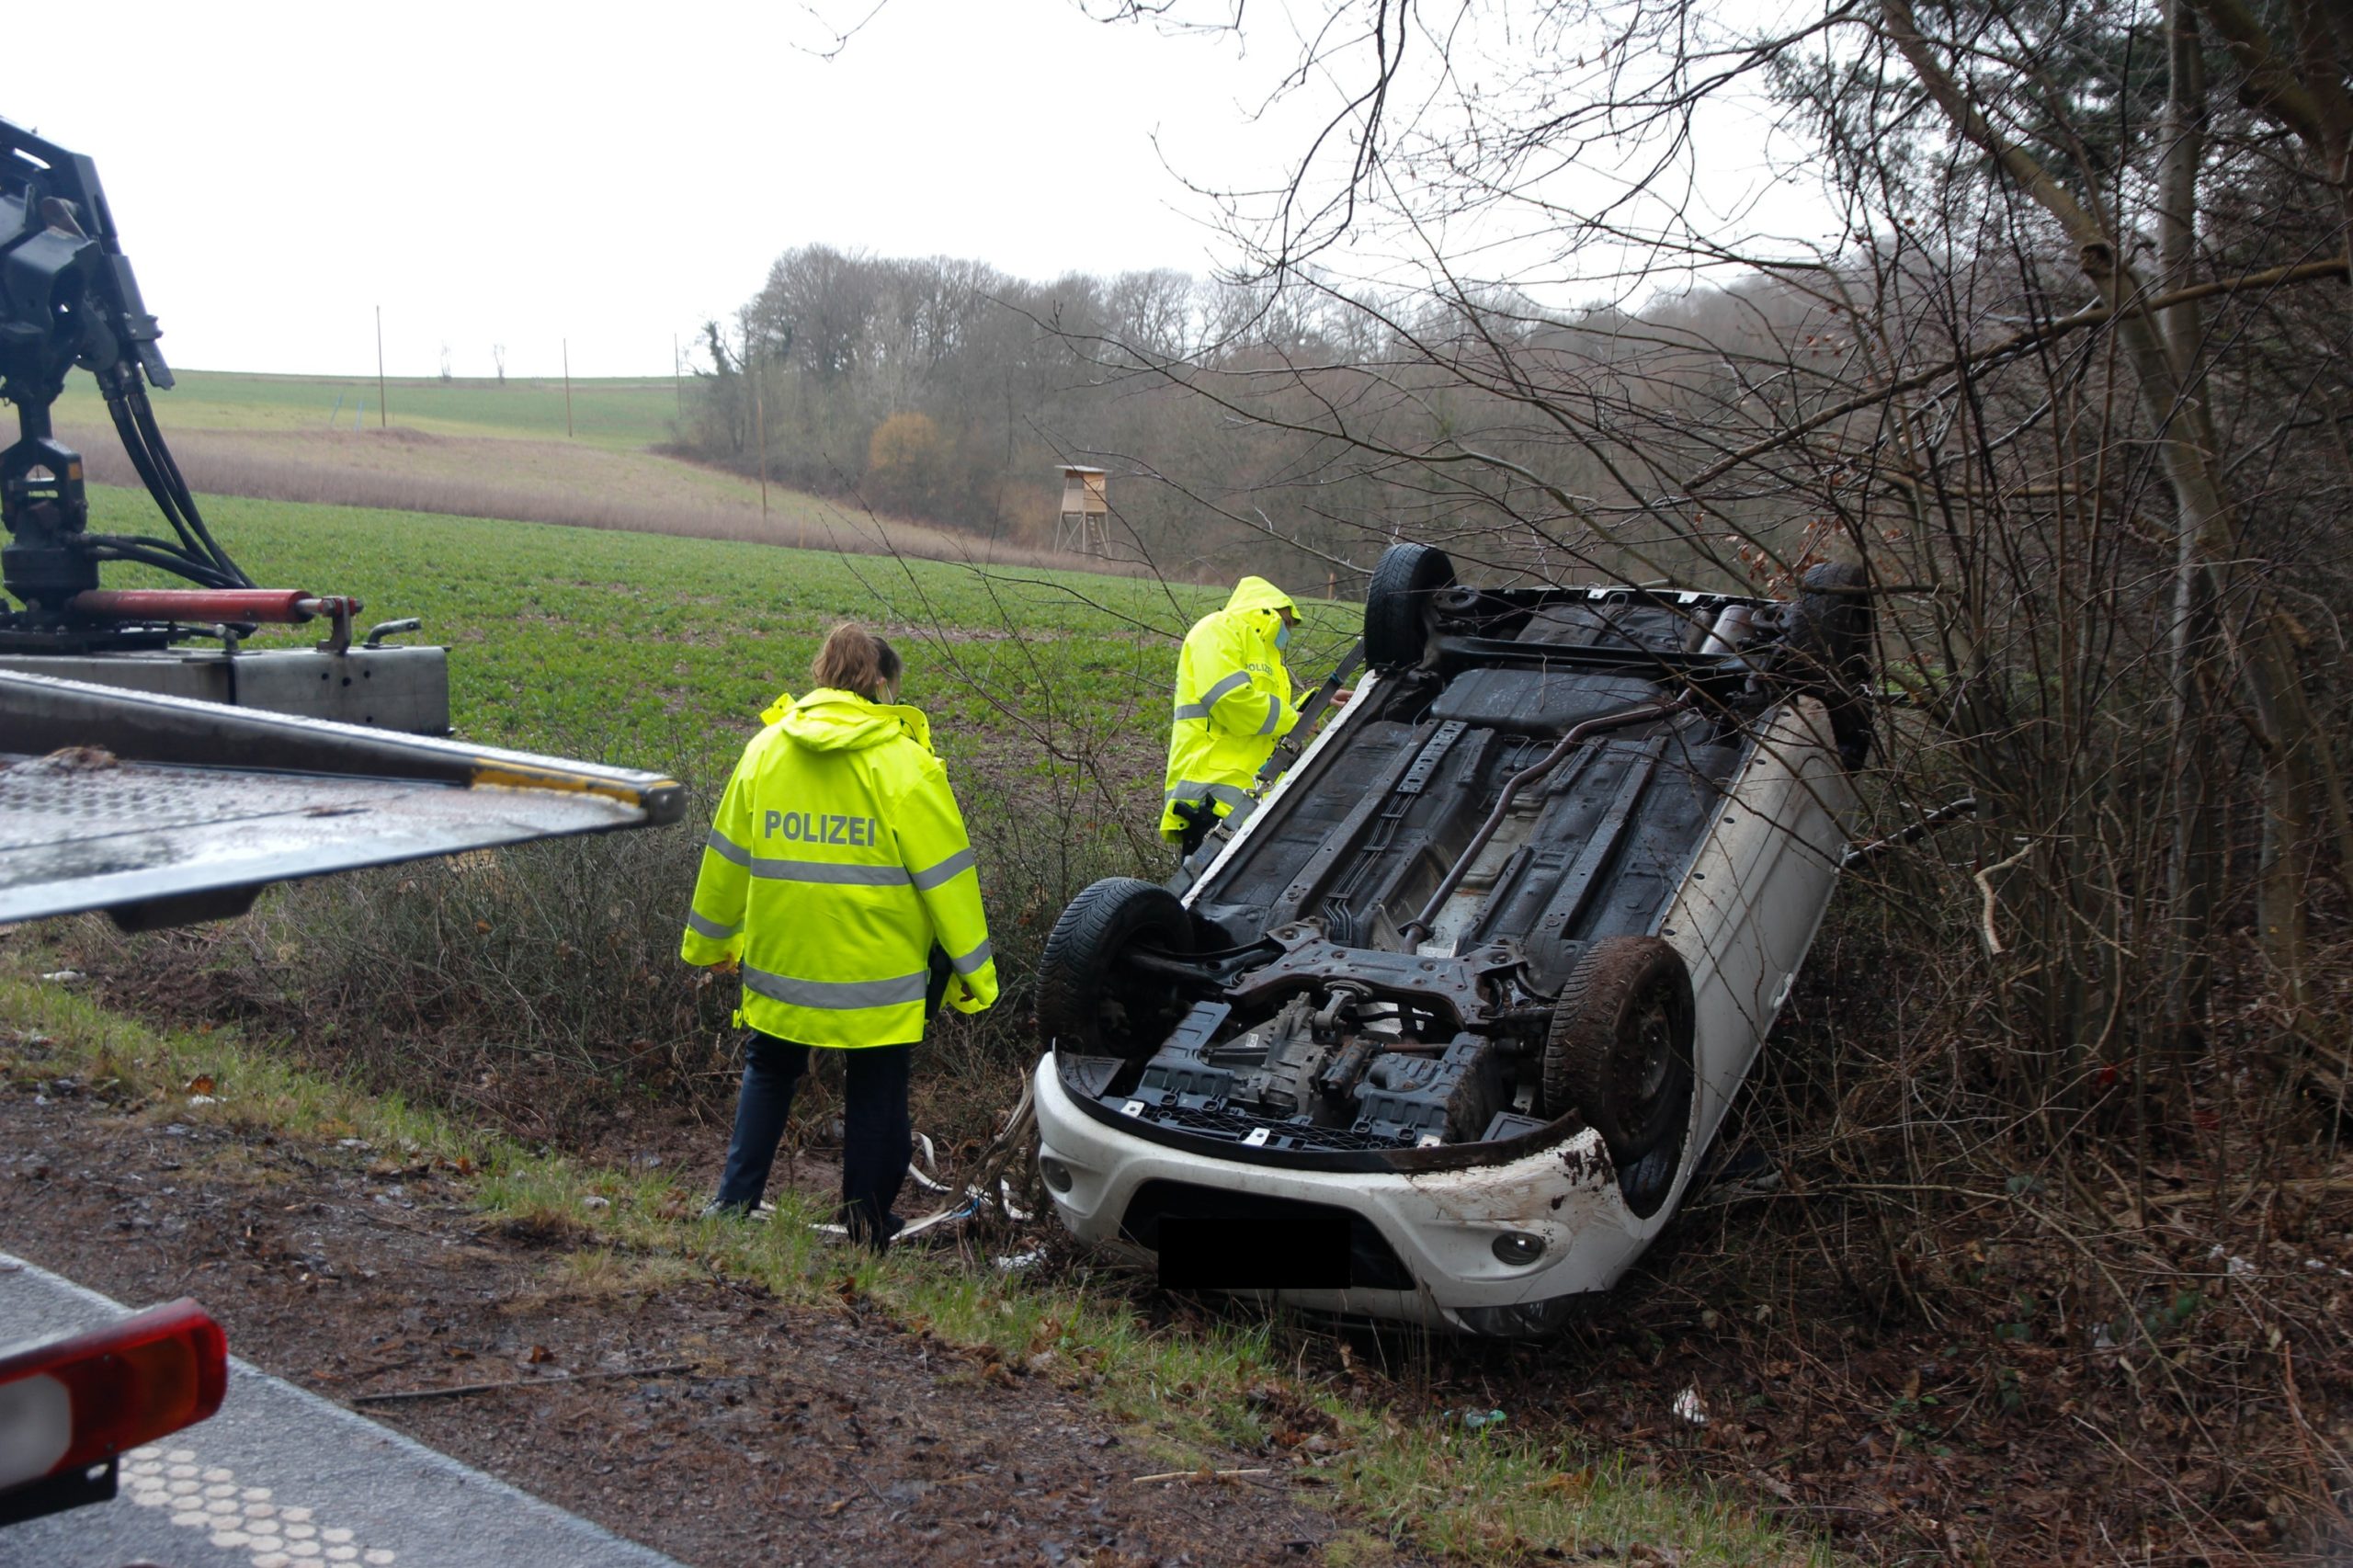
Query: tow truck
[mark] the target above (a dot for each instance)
(154, 767)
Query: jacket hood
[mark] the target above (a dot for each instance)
(1256, 593)
(830, 719)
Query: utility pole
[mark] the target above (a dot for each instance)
(567, 388)
(380, 368)
(759, 431)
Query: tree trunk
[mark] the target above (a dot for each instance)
(2192, 867)
(2207, 527)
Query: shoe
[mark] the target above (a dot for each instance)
(855, 1227)
(762, 1213)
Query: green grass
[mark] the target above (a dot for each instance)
(661, 650)
(1430, 1478)
(622, 411)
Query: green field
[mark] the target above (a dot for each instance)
(661, 650)
(475, 449)
(620, 412)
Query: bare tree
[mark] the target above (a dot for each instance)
(2062, 364)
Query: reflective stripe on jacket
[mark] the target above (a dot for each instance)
(836, 860)
(1233, 702)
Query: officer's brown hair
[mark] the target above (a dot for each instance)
(854, 659)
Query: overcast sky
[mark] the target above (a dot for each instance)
(613, 175)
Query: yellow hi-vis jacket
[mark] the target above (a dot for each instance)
(1234, 701)
(837, 858)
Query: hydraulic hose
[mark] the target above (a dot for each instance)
(107, 547)
(144, 413)
(142, 442)
(187, 558)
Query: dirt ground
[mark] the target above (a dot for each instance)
(800, 1436)
(529, 479)
(1899, 1432)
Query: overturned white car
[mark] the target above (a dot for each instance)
(1439, 1031)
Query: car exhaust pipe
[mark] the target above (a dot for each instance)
(1416, 930)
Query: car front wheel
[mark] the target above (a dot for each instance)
(1618, 1053)
(1091, 998)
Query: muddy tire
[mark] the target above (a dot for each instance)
(1089, 1001)
(1396, 604)
(1620, 1055)
(1830, 634)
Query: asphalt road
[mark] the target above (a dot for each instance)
(282, 1479)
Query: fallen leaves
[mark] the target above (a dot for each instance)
(1570, 1486)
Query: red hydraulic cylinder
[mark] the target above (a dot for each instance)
(276, 607)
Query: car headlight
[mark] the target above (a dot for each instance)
(1058, 1175)
(1517, 1248)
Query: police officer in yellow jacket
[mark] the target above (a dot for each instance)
(838, 877)
(1234, 701)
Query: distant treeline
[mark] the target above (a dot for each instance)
(946, 391)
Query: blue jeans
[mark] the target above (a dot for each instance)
(875, 1145)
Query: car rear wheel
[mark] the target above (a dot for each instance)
(1830, 630)
(1620, 1055)
(1091, 1000)
(1396, 629)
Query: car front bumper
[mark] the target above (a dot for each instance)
(1443, 1225)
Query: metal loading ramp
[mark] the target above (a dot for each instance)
(160, 810)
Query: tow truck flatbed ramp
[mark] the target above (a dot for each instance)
(283, 1478)
(160, 810)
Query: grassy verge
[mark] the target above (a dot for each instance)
(1441, 1484)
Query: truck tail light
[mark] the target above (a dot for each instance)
(77, 1402)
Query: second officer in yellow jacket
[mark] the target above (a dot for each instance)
(1234, 701)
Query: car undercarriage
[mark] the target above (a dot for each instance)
(1474, 919)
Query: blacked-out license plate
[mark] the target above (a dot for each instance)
(1301, 1253)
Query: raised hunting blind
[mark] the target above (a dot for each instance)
(1085, 527)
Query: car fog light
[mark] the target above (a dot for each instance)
(1519, 1248)
(1057, 1174)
